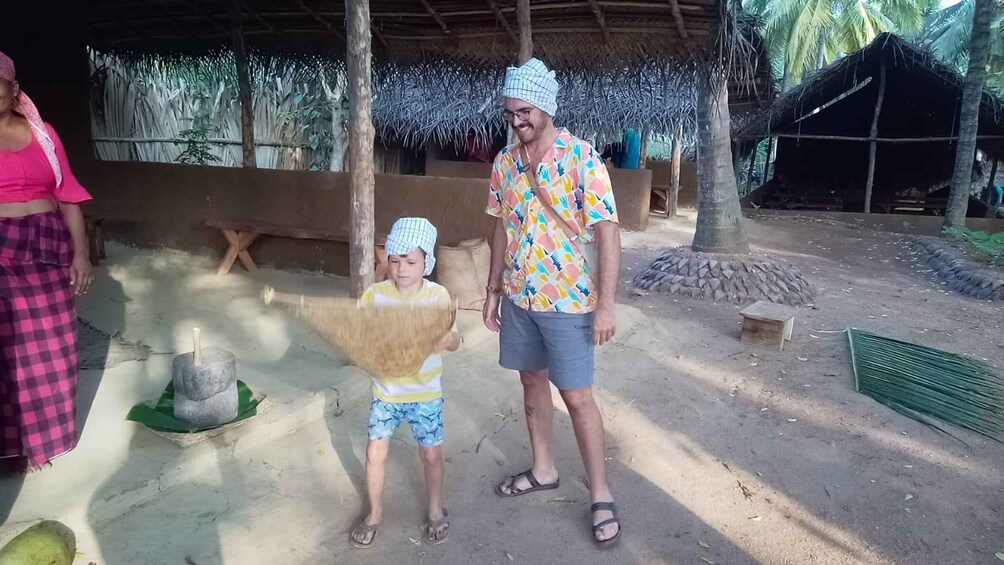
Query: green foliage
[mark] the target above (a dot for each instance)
(196, 140)
(804, 35)
(990, 247)
(311, 108)
(947, 33)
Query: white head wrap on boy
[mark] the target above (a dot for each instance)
(409, 234)
(533, 83)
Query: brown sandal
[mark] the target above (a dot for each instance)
(534, 485)
(598, 528)
(434, 525)
(363, 530)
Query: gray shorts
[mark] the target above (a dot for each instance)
(559, 342)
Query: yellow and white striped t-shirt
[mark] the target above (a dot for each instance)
(424, 385)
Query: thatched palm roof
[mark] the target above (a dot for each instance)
(567, 33)
(915, 78)
(438, 64)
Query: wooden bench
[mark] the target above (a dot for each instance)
(93, 227)
(659, 202)
(241, 234)
(767, 324)
(913, 204)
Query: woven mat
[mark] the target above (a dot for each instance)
(98, 350)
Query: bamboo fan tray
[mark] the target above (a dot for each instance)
(388, 342)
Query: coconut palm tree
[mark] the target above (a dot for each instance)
(804, 35)
(719, 218)
(947, 33)
(969, 113)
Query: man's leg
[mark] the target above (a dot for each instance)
(522, 349)
(588, 425)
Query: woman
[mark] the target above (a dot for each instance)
(43, 263)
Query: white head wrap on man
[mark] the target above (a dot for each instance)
(409, 234)
(533, 83)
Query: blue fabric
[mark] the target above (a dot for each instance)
(998, 196)
(632, 150)
(425, 419)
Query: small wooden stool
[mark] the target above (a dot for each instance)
(767, 324)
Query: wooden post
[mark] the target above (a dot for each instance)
(736, 164)
(873, 145)
(244, 89)
(990, 190)
(643, 161)
(749, 172)
(525, 31)
(361, 134)
(766, 160)
(674, 197)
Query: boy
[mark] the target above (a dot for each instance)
(419, 399)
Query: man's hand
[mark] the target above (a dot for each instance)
(490, 312)
(604, 324)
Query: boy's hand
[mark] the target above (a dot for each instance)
(450, 342)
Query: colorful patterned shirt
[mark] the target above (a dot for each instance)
(425, 384)
(544, 271)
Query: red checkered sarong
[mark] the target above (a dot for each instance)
(38, 339)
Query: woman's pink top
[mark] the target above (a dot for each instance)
(26, 175)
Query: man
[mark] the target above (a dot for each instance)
(549, 304)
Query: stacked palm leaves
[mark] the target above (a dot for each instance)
(921, 382)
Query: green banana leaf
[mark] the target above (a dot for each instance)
(160, 417)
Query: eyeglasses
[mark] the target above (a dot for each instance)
(523, 114)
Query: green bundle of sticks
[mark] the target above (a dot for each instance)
(920, 381)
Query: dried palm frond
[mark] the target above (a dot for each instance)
(388, 342)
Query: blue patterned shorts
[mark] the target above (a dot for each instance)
(425, 419)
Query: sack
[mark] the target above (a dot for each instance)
(463, 270)
(589, 251)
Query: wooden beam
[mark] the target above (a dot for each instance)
(594, 5)
(873, 145)
(990, 191)
(878, 139)
(674, 7)
(210, 17)
(435, 15)
(244, 90)
(263, 21)
(317, 17)
(380, 37)
(501, 19)
(525, 30)
(359, 55)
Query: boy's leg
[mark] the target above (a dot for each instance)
(426, 421)
(384, 419)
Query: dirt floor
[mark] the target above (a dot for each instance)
(718, 452)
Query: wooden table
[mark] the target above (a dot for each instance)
(767, 324)
(241, 234)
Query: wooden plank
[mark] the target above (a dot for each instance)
(768, 311)
(265, 228)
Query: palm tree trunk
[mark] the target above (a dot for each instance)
(969, 115)
(719, 218)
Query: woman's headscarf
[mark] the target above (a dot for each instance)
(24, 106)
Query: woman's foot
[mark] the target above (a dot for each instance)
(437, 529)
(525, 483)
(364, 534)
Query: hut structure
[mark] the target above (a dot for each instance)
(875, 132)
(435, 65)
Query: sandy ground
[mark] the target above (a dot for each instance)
(717, 452)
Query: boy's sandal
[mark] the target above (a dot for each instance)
(363, 530)
(535, 486)
(598, 528)
(434, 526)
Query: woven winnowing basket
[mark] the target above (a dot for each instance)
(388, 342)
